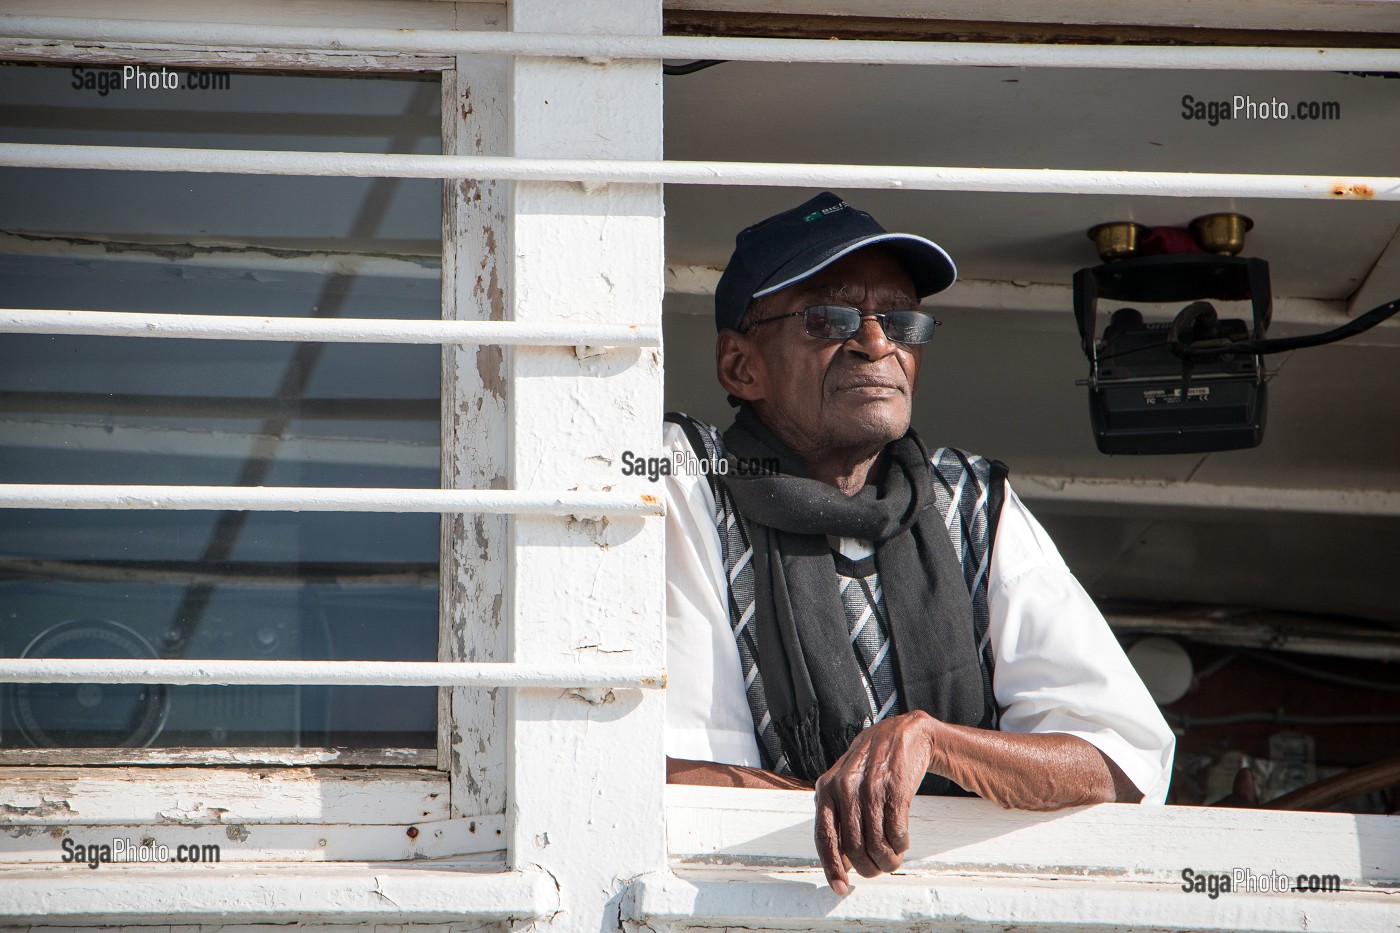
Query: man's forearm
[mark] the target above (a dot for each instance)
(1027, 771)
(1023, 771)
(713, 774)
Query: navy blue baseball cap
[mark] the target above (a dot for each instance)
(788, 247)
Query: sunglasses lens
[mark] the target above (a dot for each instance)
(909, 326)
(832, 322)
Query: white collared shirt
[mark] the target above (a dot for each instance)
(1058, 666)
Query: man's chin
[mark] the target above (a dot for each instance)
(873, 421)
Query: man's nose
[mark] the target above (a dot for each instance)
(870, 341)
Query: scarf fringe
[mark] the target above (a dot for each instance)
(802, 742)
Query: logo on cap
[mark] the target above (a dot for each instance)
(826, 210)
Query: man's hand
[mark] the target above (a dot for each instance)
(863, 801)
(862, 818)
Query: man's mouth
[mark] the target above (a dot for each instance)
(870, 386)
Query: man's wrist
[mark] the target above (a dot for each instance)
(932, 731)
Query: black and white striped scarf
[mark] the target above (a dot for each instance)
(950, 649)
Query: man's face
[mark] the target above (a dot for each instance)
(819, 394)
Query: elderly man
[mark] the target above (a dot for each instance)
(832, 621)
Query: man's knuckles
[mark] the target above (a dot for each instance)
(851, 783)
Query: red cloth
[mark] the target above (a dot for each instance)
(1163, 241)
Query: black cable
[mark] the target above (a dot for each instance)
(691, 67)
(1328, 676)
(1275, 345)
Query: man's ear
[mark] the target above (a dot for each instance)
(739, 366)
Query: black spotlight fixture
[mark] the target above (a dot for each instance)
(1196, 382)
(1145, 395)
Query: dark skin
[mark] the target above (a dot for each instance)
(837, 404)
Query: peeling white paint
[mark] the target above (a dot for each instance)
(599, 50)
(291, 757)
(586, 765)
(760, 899)
(604, 171)
(324, 330)
(745, 858)
(92, 796)
(452, 892)
(307, 673)
(325, 499)
(474, 611)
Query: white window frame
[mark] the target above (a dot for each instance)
(287, 813)
(278, 788)
(586, 848)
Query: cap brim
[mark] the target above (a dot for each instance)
(929, 266)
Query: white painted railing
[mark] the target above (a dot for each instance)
(183, 671)
(247, 327)
(327, 330)
(631, 47)
(666, 172)
(744, 859)
(357, 895)
(326, 499)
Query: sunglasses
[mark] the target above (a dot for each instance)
(835, 322)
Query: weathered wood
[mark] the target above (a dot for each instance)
(394, 14)
(160, 796)
(798, 26)
(399, 14)
(344, 757)
(245, 842)
(1260, 22)
(460, 891)
(82, 53)
(473, 595)
(705, 824)
(586, 766)
(757, 899)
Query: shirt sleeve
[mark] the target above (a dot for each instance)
(1059, 667)
(707, 712)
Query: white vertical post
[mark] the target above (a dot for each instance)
(586, 769)
(472, 589)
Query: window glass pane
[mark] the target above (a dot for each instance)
(201, 584)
